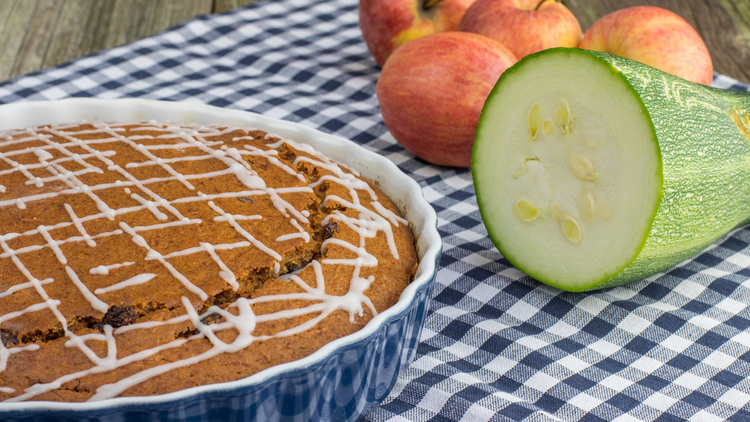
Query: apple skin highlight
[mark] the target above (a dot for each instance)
(655, 37)
(432, 89)
(524, 26)
(388, 24)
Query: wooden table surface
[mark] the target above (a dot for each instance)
(35, 34)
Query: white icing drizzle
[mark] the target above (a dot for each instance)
(104, 269)
(368, 224)
(309, 150)
(246, 321)
(158, 160)
(223, 195)
(101, 269)
(22, 286)
(363, 257)
(52, 244)
(193, 137)
(238, 217)
(79, 226)
(107, 365)
(249, 177)
(226, 274)
(270, 155)
(95, 302)
(43, 155)
(5, 354)
(154, 255)
(32, 308)
(151, 324)
(258, 244)
(347, 180)
(390, 215)
(162, 226)
(151, 206)
(102, 156)
(16, 166)
(288, 276)
(59, 242)
(139, 279)
(285, 207)
(100, 205)
(47, 303)
(301, 233)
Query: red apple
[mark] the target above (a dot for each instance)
(432, 89)
(388, 24)
(653, 36)
(524, 26)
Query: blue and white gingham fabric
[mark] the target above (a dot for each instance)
(497, 344)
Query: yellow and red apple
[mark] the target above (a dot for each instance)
(524, 26)
(432, 89)
(653, 36)
(388, 24)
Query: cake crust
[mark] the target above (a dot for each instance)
(144, 258)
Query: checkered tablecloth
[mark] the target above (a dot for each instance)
(497, 344)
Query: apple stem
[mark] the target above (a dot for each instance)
(429, 4)
(540, 3)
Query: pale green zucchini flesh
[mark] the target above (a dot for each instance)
(591, 170)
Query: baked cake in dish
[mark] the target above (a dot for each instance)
(145, 258)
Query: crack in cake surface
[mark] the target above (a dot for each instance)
(166, 179)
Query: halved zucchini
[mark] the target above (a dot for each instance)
(592, 170)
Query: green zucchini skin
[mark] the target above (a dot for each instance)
(703, 136)
(705, 153)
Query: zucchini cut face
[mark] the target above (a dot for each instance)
(567, 169)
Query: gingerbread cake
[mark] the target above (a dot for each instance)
(142, 258)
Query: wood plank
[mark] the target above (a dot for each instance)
(97, 26)
(738, 62)
(38, 37)
(7, 55)
(128, 20)
(135, 19)
(35, 34)
(69, 39)
(14, 33)
(226, 5)
(723, 24)
(168, 13)
(5, 7)
(188, 9)
(56, 31)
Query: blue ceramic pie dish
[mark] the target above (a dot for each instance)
(341, 381)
